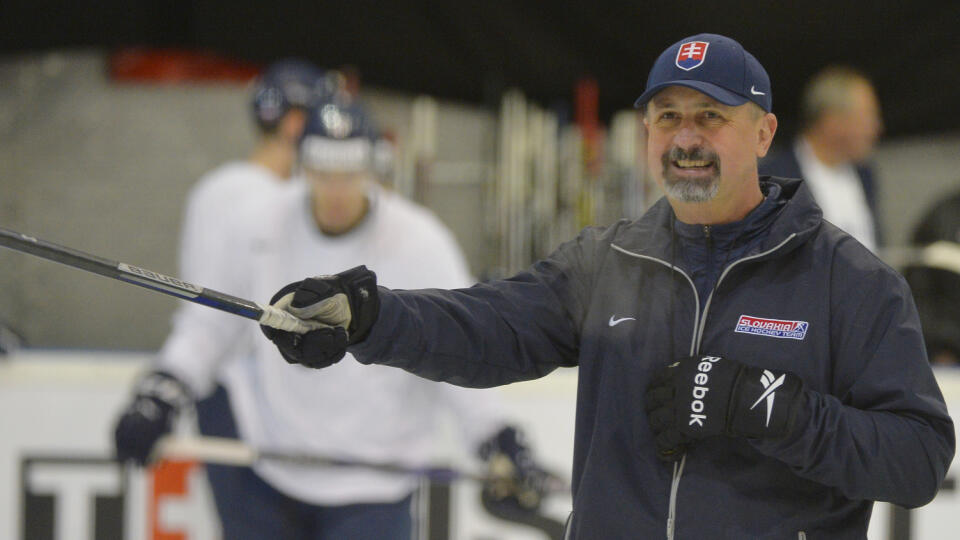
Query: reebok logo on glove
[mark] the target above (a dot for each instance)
(771, 386)
(700, 389)
(705, 396)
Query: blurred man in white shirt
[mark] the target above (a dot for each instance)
(841, 123)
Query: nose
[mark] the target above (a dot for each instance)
(687, 135)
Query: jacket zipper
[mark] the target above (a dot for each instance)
(699, 322)
(709, 240)
(677, 467)
(723, 274)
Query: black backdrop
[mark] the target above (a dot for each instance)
(472, 50)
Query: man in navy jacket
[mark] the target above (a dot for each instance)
(747, 370)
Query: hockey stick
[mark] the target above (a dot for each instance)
(148, 279)
(236, 453)
(233, 452)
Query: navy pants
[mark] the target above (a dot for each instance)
(250, 508)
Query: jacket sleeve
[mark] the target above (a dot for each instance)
(882, 432)
(490, 334)
(477, 413)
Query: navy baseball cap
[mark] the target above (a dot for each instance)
(715, 65)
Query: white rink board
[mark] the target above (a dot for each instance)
(64, 404)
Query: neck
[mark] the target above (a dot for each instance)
(275, 155)
(825, 152)
(720, 210)
(359, 213)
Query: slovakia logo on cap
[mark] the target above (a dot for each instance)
(691, 55)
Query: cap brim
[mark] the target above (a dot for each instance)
(720, 94)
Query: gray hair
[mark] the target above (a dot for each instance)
(829, 91)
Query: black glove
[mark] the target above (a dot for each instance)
(516, 482)
(347, 302)
(704, 396)
(157, 399)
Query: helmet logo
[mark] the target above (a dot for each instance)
(337, 124)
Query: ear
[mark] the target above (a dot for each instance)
(766, 127)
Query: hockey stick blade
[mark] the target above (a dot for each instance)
(148, 279)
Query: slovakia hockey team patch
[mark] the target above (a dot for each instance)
(774, 328)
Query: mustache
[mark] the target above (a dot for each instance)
(697, 153)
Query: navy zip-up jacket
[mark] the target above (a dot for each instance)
(706, 249)
(619, 303)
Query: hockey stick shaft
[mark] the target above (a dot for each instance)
(234, 452)
(224, 451)
(154, 281)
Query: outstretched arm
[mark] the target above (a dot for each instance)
(489, 334)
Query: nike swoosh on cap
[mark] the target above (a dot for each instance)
(754, 92)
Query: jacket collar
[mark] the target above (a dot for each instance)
(651, 235)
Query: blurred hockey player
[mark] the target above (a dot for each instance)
(336, 215)
(280, 100)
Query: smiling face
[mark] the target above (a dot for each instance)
(704, 153)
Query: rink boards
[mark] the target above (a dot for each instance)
(57, 479)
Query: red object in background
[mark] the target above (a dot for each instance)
(587, 95)
(169, 480)
(587, 118)
(178, 66)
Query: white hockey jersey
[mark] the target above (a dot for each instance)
(348, 410)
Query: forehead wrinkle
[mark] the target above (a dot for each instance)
(665, 102)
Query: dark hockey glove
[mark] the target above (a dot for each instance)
(704, 396)
(158, 397)
(347, 302)
(515, 482)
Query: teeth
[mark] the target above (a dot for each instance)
(685, 163)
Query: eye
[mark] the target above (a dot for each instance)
(668, 115)
(712, 117)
